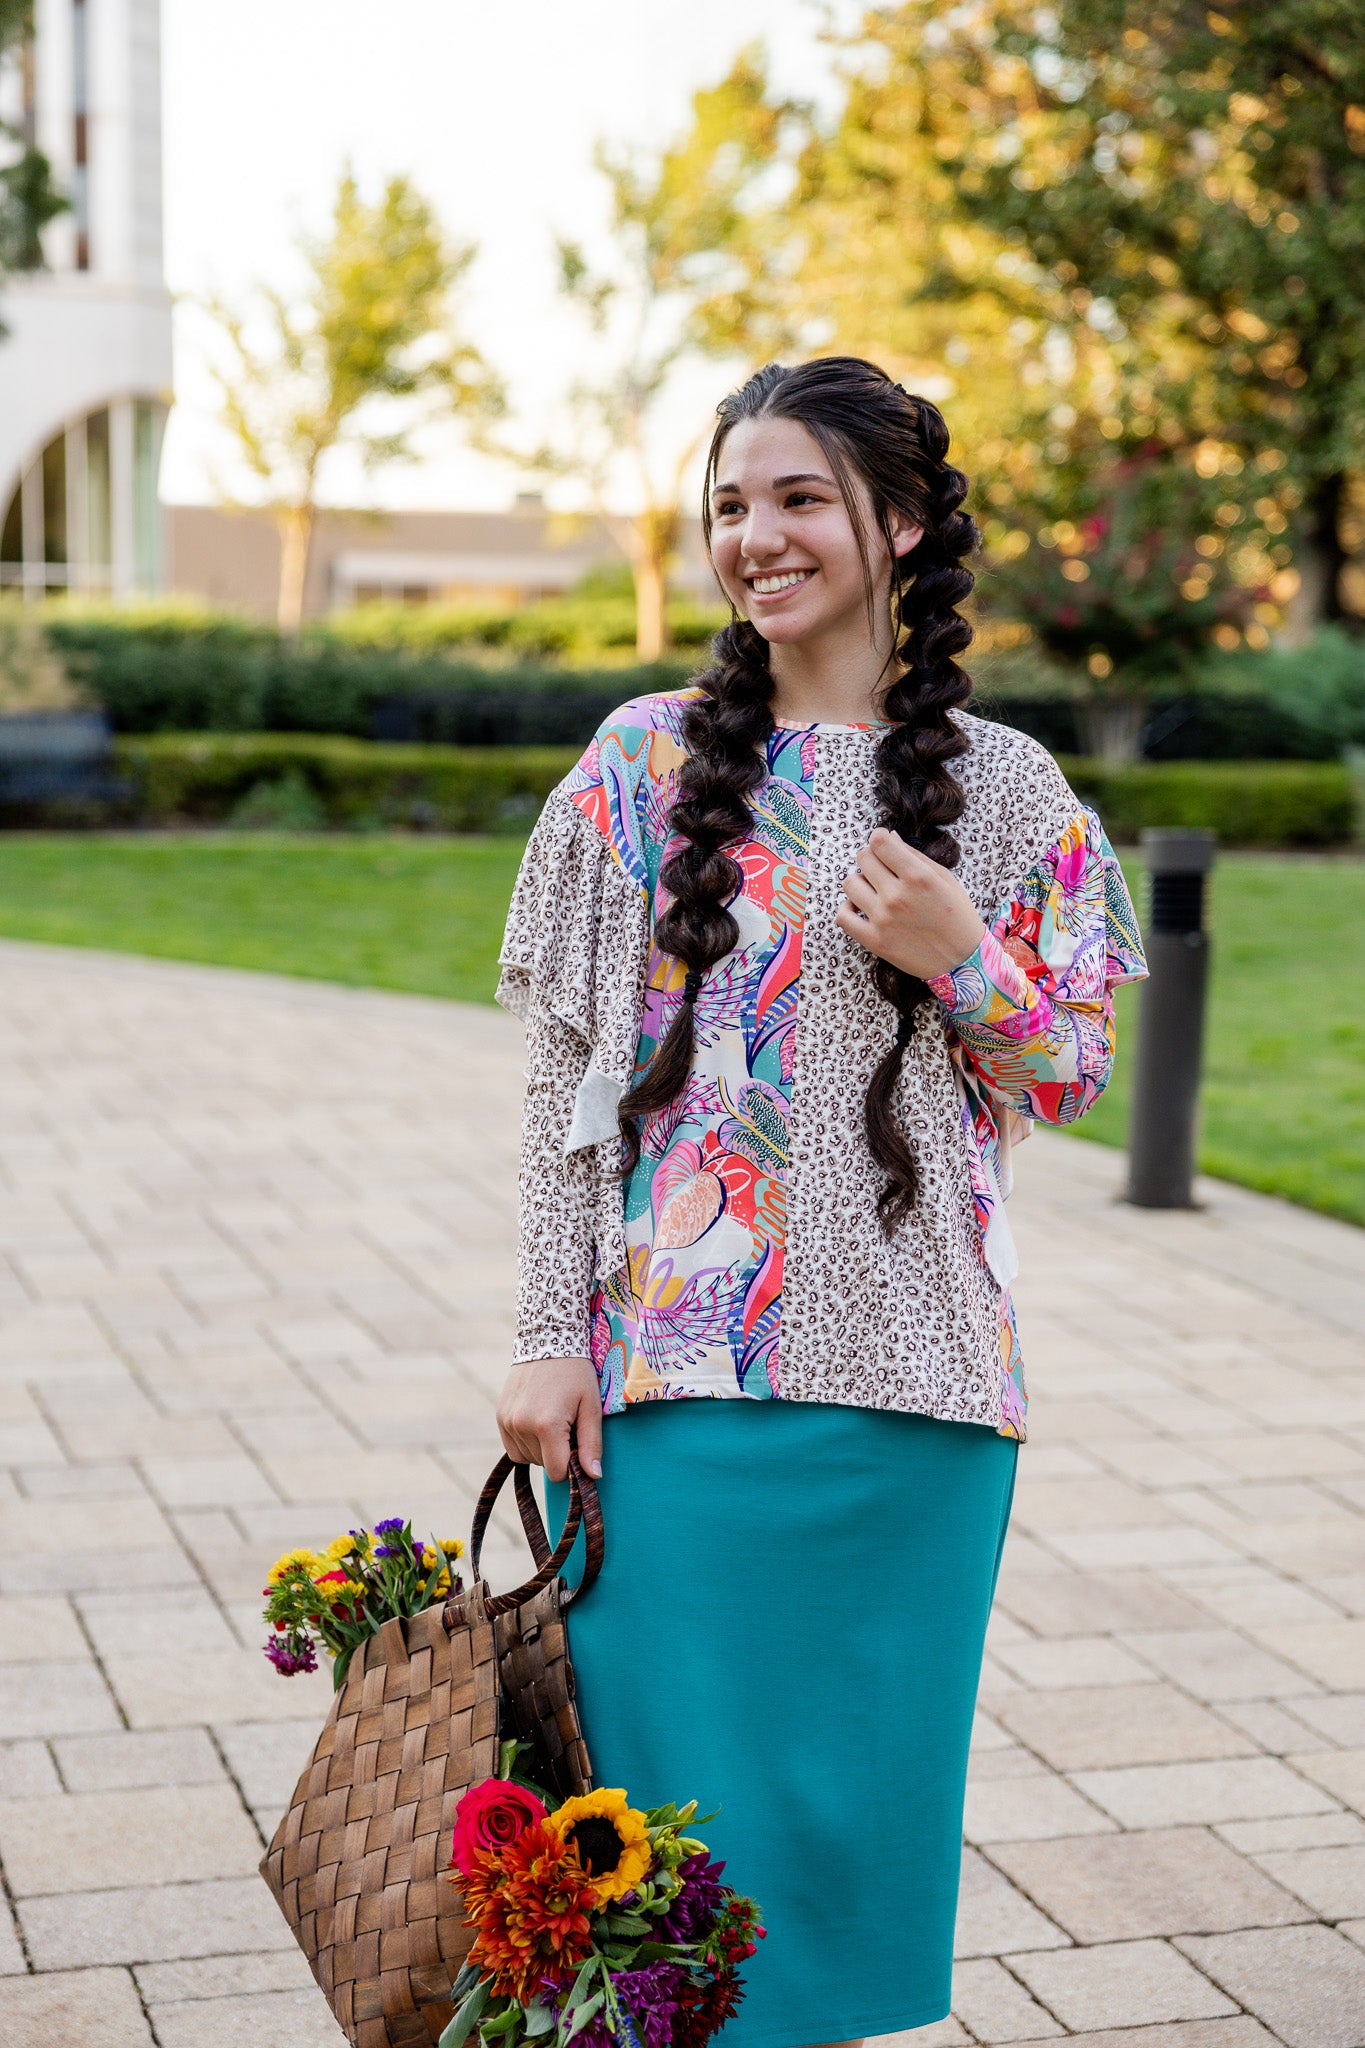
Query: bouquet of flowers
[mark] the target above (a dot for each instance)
(595, 1923)
(338, 1597)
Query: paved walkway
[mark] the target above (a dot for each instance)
(256, 1239)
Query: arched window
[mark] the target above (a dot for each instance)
(84, 515)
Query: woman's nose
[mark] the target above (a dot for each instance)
(763, 538)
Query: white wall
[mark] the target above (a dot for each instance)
(82, 339)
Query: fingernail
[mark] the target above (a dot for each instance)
(595, 1467)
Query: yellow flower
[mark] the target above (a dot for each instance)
(340, 1592)
(611, 1839)
(340, 1547)
(293, 1561)
(442, 1586)
(452, 1546)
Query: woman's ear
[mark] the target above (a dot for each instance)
(904, 536)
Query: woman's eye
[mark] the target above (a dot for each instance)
(726, 509)
(802, 498)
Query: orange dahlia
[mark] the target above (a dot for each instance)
(530, 1904)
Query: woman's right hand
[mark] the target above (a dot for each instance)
(542, 1402)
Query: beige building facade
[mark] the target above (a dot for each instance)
(230, 559)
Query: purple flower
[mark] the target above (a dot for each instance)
(393, 1527)
(650, 1996)
(693, 1913)
(291, 1653)
(387, 1550)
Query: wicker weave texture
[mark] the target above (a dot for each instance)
(538, 1689)
(358, 1863)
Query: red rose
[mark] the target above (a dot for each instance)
(489, 1817)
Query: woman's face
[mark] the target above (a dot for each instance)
(782, 542)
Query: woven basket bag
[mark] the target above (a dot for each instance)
(358, 1864)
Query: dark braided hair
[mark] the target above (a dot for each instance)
(874, 433)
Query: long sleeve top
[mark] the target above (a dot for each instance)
(743, 1257)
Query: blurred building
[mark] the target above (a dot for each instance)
(231, 558)
(85, 370)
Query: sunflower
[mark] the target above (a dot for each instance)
(610, 1837)
(340, 1548)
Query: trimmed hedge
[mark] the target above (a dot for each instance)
(180, 671)
(226, 675)
(358, 785)
(1247, 803)
(204, 778)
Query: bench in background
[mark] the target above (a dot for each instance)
(50, 756)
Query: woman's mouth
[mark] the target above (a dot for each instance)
(776, 583)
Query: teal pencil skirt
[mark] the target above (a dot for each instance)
(788, 1628)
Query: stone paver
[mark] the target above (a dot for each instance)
(255, 1272)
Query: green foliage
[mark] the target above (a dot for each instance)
(1214, 161)
(176, 670)
(1123, 585)
(346, 783)
(286, 804)
(1247, 803)
(1321, 684)
(368, 356)
(373, 324)
(1196, 180)
(32, 675)
(203, 778)
(916, 231)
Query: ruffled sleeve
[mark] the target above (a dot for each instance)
(1033, 1009)
(573, 966)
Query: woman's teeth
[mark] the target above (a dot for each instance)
(768, 586)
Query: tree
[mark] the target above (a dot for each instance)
(28, 197)
(367, 357)
(1127, 592)
(884, 246)
(1211, 161)
(682, 223)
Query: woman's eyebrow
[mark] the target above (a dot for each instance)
(781, 483)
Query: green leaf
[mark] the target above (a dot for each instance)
(540, 2019)
(460, 2028)
(626, 1924)
(507, 1756)
(502, 2023)
(581, 1983)
(585, 2014)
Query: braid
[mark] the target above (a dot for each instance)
(723, 732)
(898, 444)
(918, 795)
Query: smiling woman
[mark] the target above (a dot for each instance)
(801, 949)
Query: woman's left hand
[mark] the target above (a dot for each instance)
(907, 909)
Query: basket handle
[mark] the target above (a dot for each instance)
(585, 1511)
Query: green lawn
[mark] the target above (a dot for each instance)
(1284, 1101)
(423, 915)
(1284, 1080)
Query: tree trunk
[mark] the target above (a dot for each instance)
(1110, 728)
(651, 631)
(656, 534)
(1319, 559)
(296, 531)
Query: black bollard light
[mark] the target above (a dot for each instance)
(1171, 1020)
